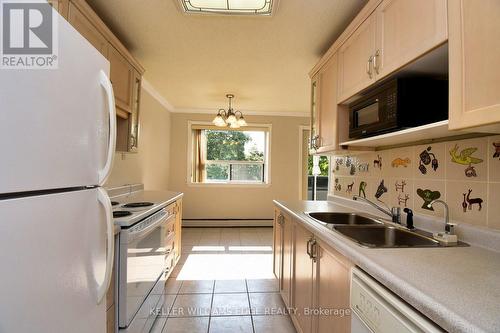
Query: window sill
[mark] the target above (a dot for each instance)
(230, 185)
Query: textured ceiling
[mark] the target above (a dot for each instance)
(194, 60)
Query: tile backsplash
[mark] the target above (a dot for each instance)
(464, 173)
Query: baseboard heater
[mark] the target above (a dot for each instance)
(227, 222)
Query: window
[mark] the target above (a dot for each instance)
(230, 156)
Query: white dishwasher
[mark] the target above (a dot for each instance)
(377, 310)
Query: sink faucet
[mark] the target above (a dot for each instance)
(448, 227)
(394, 212)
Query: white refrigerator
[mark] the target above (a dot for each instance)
(57, 138)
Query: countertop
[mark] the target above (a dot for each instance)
(457, 287)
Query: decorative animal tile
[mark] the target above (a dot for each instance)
(349, 188)
(494, 159)
(427, 159)
(464, 157)
(428, 196)
(401, 165)
(468, 201)
(364, 167)
(403, 199)
(496, 145)
(381, 189)
(466, 160)
(397, 162)
(400, 186)
(377, 162)
(433, 187)
(337, 186)
(362, 189)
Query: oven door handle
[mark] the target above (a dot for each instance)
(142, 233)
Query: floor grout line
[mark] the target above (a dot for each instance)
(250, 306)
(211, 305)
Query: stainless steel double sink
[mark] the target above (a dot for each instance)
(371, 232)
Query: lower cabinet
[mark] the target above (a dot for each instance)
(303, 278)
(331, 290)
(319, 285)
(283, 257)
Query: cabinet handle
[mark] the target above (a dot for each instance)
(314, 247)
(369, 67)
(375, 61)
(308, 248)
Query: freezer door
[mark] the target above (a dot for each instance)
(53, 257)
(55, 124)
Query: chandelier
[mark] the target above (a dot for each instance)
(229, 118)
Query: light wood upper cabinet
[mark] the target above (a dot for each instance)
(302, 277)
(327, 106)
(356, 60)
(406, 29)
(85, 27)
(331, 290)
(474, 63)
(122, 78)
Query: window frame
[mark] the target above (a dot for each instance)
(267, 128)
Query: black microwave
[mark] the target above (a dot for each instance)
(398, 104)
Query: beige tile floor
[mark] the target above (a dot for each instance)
(224, 283)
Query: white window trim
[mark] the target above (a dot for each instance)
(267, 165)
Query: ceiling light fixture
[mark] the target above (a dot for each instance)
(231, 118)
(229, 7)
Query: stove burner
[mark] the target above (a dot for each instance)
(121, 213)
(114, 203)
(138, 204)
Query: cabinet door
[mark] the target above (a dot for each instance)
(302, 278)
(81, 23)
(286, 276)
(122, 77)
(328, 105)
(314, 132)
(406, 29)
(178, 230)
(355, 60)
(332, 285)
(277, 248)
(133, 140)
(474, 53)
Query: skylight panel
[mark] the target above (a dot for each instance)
(229, 7)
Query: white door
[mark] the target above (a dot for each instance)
(53, 257)
(55, 124)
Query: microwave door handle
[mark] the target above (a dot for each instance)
(144, 232)
(108, 88)
(103, 198)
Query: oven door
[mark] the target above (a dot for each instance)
(142, 261)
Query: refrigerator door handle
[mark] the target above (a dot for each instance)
(108, 88)
(103, 198)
